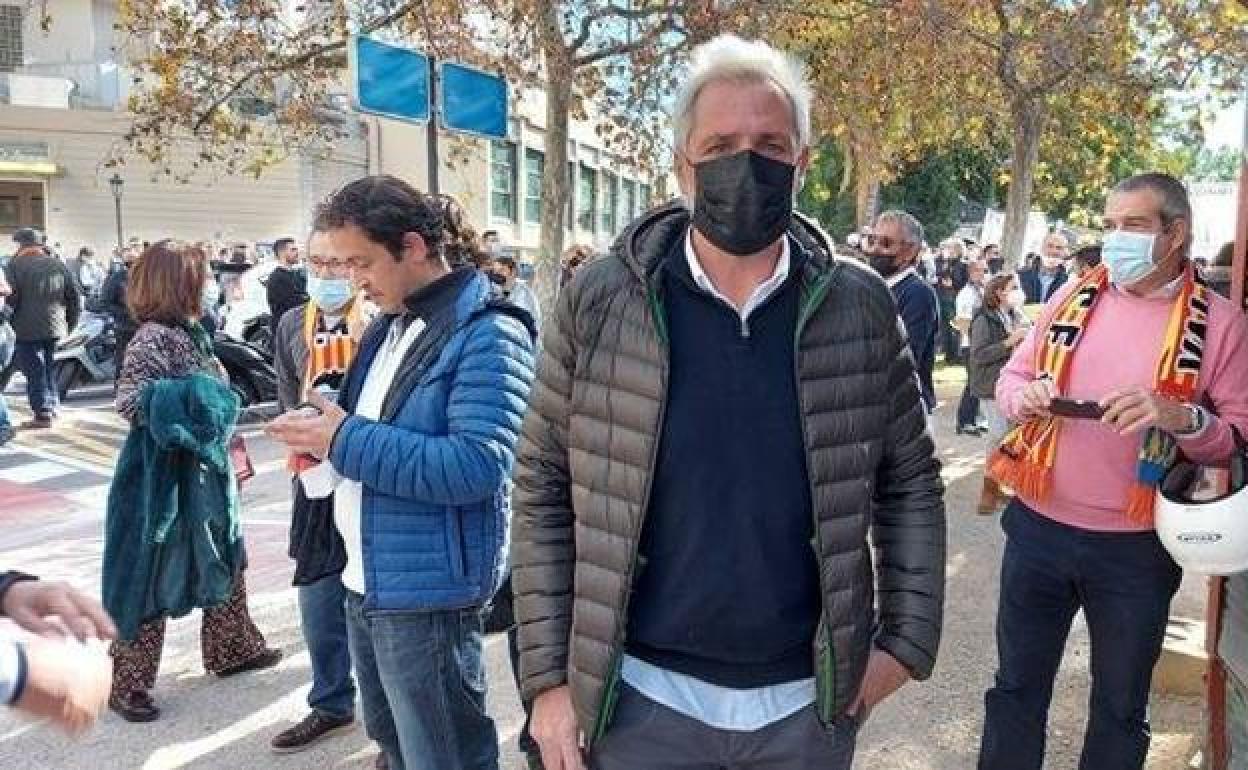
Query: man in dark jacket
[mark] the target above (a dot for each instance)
(313, 348)
(287, 286)
(113, 302)
(46, 304)
(724, 412)
(892, 248)
(1040, 285)
(423, 440)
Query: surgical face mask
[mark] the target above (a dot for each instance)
(1051, 263)
(884, 264)
(1016, 298)
(743, 202)
(329, 293)
(1128, 256)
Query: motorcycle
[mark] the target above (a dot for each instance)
(250, 369)
(256, 332)
(87, 355)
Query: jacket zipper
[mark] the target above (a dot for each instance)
(606, 706)
(825, 661)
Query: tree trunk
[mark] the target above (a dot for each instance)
(1029, 116)
(866, 196)
(556, 184)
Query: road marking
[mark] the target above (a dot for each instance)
(33, 473)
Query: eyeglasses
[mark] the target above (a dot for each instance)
(883, 241)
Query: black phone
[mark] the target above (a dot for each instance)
(1075, 408)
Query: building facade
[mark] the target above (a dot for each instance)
(62, 99)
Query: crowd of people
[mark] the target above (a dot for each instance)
(707, 507)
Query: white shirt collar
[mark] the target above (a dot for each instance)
(897, 278)
(761, 292)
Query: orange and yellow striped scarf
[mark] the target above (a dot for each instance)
(1024, 461)
(331, 351)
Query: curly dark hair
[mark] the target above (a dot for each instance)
(386, 208)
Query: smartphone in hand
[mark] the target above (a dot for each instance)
(1076, 409)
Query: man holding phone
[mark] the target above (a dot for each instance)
(314, 345)
(1128, 366)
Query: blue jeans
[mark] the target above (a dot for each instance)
(37, 362)
(422, 686)
(322, 612)
(1124, 582)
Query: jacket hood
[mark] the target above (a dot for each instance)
(648, 241)
(468, 293)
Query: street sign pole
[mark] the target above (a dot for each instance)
(431, 128)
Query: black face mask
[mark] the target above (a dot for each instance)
(743, 202)
(498, 279)
(884, 264)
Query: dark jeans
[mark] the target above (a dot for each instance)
(1124, 584)
(322, 613)
(968, 408)
(422, 686)
(36, 361)
(645, 735)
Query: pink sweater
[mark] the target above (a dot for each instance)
(1095, 466)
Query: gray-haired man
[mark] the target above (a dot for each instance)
(725, 412)
(892, 247)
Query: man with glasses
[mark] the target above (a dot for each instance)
(314, 345)
(892, 247)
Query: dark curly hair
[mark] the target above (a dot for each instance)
(386, 208)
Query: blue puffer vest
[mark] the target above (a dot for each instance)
(436, 467)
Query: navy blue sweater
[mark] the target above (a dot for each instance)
(920, 312)
(728, 591)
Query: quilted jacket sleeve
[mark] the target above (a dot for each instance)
(470, 462)
(908, 527)
(544, 549)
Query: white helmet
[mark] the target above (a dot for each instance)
(1205, 531)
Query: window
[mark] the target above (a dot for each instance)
(503, 181)
(11, 59)
(586, 220)
(534, 167)
(630, 199)
(610, 201)
(645, 197)
(10, 212)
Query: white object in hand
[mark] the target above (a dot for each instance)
(319, 481)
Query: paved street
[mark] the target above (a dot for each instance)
(53, 487)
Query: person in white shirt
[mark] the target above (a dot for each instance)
(967, 304)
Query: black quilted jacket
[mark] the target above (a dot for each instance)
(586, 461)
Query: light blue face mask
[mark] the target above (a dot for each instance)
(1128, 256)
(329, 293)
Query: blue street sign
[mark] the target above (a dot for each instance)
(389, 80)
(473, 101)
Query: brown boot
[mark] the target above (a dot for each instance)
(990, 498)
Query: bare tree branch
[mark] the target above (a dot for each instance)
(296, 61)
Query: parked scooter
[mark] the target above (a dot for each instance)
(250, 369)
(86, 355)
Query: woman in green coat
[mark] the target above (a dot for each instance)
(174, 540)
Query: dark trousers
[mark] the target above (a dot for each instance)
(645, 735)
(36, 360)
(968, 408)
(1124, 584)
(323, 617)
